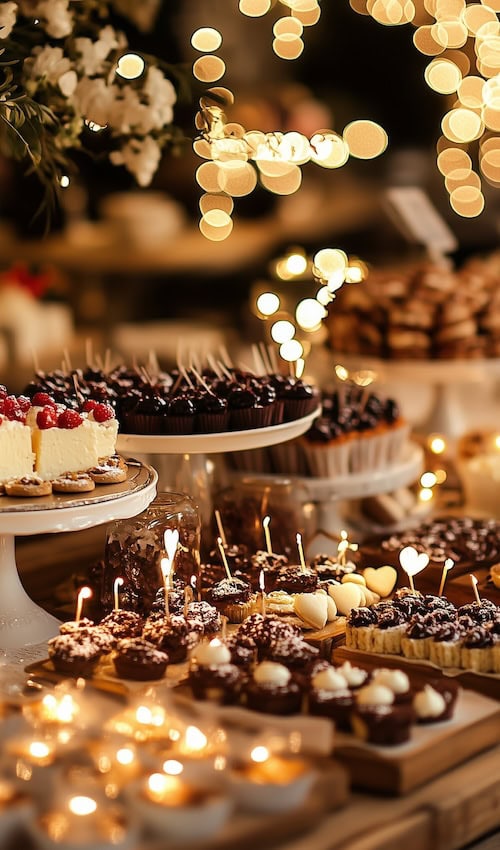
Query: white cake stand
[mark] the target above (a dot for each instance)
(181, 460)
(22, 622)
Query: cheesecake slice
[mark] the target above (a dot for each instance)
(16, 455)
(64, 449)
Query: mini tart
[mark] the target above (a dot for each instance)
(360, 628)
(74, 655)
(387, 635)
(28, 486)
(123, 624)
(418, 637)
(136, 658)
(233, 598)
(477, 650)
(112, 470)
(73, 482)
(446, 647)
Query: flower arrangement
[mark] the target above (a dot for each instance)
(66, 73)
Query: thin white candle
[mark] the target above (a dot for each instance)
(474, 587)
(166, 566)
(118, 582)
(83, 593)
(224, 559)
(267, 534)
(303, 567)
(262, 585)
(222, 534)
(447, 566)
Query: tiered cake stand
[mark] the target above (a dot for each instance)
(182, 460)
(22, 622)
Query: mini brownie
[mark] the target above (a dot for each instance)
(272, 690)
(123, 624)
(293, 579)
(172, 635)
(74, 655)
(436, 702)
(206, 614)
(212, 676)
(265, 630)
(293, 652)
(384, 725)
(175, 601)
(243, 651)
(86, 628)
(136, 658)
(234, 598)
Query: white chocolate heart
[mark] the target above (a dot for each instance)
(331, 609)
(381, 580)
(371, 597)
(346, 597)
(355, 578)
(312, 608)
(362, 590)
(413, 562)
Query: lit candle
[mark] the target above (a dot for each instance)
(267, 768)
(412, 562)
(188, 598)
(343, 547)
(35, 752)
(222, 534)
(474, 587)
(224, 559)
(83, 593)
(167, 790)
(166, 567)
(194, 743)
(193, 583)
(262, 586)
(267, 534)
(448, 565)
(118, 582)
(298, 538)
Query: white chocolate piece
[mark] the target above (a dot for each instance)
(312, 608)
(429, 703)
(381, 580)
(355, 578)
(346, 597)
(375, 695)
(329, 680)
(271, 673)
(331, 609)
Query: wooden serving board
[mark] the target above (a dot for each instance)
(487, 684)
(432, 749)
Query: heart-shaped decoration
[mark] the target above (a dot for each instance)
(413, 562)
(171, 539)
(346, 597)
(331, 609)
(355, 578)
(382, 580)
(312, 608)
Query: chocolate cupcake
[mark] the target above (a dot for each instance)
(233, 598)
(212, 413)
(180, 415)
(294, 579)
(397, 681)
(206, 614)
(329, 696)
(172, 635)
(272, 690)
(294, 652)
(326, 567)
(266, 630)
(148, 416)
(138, 659)
(73, 655)
(212, 675)
(300, 399)
(436, 701)
(123, 624)
(377, 720)
(243, 651)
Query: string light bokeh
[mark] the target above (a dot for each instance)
(237, 159)
(463, 39)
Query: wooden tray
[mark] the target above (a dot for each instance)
(432, 749)
(487, 684)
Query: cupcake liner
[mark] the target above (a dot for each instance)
(246, 418)
(480, 660)
(416, 648)
(212, 423)
(328, 461)
(278, 411)
(445, 653)
(297, 408)
(288, 458)
(495, 658)
(397, 438)
(138, 423)
(180, 424)
(237, 612)
(388, 640)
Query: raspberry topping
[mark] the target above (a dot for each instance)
(12, 410)
(69, 419)
(103, 412)
(46, 418)
(24, 403)
(89, 405)
(43, 400)
(3, 391)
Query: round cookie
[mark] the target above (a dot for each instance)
(110, 470)
(73, 482)
(29, 486)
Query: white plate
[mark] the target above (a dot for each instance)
(225, 441)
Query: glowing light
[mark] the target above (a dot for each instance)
(268, 303)
(216, 202)
(194, 739)
(428, 479)
(467, 201)
(206, 39)
(130, 66)
(296, 264)
(330, 261)
(173, 767)
(440, 476)
(208, 69)
(324, 296)
(443, 76)
(288, 46)
(291, 350)
(365, 139)
(125, 755)
(425, 495)
(259, 754)
(254, 8)
(216, 225)
(283, 331)
(437, 445)
(64, 181)
(39, 750)
(82, 806)
(309, 314)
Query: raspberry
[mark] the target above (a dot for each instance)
(89, 405)
(46, 418)
(69, 419)
(103, 412)
(43, 400)
(12, 409)
(24, 403)
(3, 391)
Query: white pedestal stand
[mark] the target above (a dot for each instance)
(22, 622)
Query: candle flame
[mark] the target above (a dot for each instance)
(166, 568)
(125, 756)
(449, 563)
(259, 754)
(82, 805)
(173, 767)
(171, 540)
(262, 581)
(195, 739)
(157, 783)
(38, 749)
(266, 521)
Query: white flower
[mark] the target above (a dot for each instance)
(57, 20)
(49, 63)
(161, 96)
(94, 53)
(94, 100)
(67, 83)
(129, 115)
(7, 18)
(139, 156)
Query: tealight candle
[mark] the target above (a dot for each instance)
(167, 790)
(37, 752)
(82, 822)
(343, 546)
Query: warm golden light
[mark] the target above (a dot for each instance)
(443, 76)
(130, 66)
(425, 495)
(296, 264)
(428, 479)
(467, 201)
(206, 39)
(216, 202)
(208, 69)
(125, 756)
(330, 261)
(291, 350)
(309, 314)
(194, 739)
(82, 806)
(173, 767)
(268, 303)
(452, 159)
(282, 331)
(259, 754)
(437, 444)
(365, 139)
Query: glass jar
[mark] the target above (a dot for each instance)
(134, 549)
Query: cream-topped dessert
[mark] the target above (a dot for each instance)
(16, 455)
